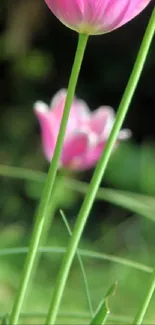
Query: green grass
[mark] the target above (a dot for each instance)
(123, 253)
(132, 283)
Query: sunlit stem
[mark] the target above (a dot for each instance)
(46, 196)
(99, 173)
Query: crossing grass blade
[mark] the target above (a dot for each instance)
(81, 265)
(83, 252)
(143, 205)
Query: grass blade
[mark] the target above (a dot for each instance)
(83, 252)
(81, 265)
(141, 204)
(101, 314)
(103, 311)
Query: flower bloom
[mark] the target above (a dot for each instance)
(86, 134)
(96, 16)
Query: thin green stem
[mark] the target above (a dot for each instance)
(141, 313)
(46, 196)
(22, 173)
(99, 172)
(81, 265)
(83, 252)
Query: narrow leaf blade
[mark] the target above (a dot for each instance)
(103, 311)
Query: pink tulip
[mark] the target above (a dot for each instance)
(86, 132)
(96, 16)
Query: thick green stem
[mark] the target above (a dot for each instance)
(141, 313)
(99, 172)
(52, 207)
(46, 196)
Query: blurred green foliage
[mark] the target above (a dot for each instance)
(131, 239)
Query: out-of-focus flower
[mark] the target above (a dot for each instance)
(86, 133)
(94, 17)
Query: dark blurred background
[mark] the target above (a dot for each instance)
(36, 56)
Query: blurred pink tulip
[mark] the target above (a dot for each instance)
(86, 132)
(96, 16)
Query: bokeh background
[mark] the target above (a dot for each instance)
(36, 55)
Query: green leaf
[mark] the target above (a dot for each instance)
(111, 291)
(103, 311)
(101, 314)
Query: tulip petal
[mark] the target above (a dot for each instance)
(116, 14)
(124, 134)
(91, 157)
(102, 121)
(96, 16)
(57, 103)
(48, 129)
(66, 10)
(86, 134)
(93, 154)
(75, 147)
(79, 110)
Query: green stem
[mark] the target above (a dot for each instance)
(141, 313)
(99, 172)
(54, 202)
(46, 196)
